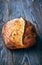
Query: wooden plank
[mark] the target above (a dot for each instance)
(11, 9)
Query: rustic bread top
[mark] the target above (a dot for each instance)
(18, 33)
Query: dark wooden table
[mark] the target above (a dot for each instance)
(30, 10)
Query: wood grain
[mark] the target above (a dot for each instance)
(30, 10)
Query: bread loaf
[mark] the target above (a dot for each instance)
(18, 33)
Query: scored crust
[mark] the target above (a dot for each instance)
(18, 33)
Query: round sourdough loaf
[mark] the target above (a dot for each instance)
(18, 33)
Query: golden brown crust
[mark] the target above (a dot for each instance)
(9, 33)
